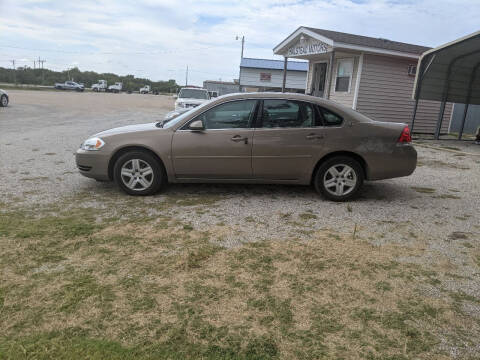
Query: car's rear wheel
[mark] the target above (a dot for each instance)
(339, 178)
(139, 173)
(4, 101)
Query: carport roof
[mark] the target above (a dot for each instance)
(451, 72)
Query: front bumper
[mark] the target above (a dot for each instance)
(92, 164)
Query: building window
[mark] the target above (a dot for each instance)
(412, 70)
(344, 75)
(265, 77)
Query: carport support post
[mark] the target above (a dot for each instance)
(330, 74)
(285, 63)
(439, 120)
(462, 125)
(414, 114)
(469, 94)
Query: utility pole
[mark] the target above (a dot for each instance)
(243, 45)
(241, 58)
(14, 72)
(41, 62)
(186, 77)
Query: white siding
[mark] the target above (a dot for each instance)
(385, 94)
(251, 77)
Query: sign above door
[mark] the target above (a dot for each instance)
(307, 46)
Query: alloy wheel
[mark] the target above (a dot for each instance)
(340, 179)
(137, 174)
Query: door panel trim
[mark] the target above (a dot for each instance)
(212, 157)
(283, 156)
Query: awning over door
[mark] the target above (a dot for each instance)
(450, 73)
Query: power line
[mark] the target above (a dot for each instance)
(153, 53)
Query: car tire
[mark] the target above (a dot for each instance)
(3, 101)
(139, 173)
(339, 178)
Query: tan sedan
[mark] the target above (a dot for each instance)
(273, 138)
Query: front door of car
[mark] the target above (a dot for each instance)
(223, 149)
(287, 140)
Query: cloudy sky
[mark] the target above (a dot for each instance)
(159, 38)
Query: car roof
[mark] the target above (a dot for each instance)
(330, 104)
(275, 95)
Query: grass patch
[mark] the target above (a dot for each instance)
(307, 216)
(77, 285)
(424, 190)
(447, 196)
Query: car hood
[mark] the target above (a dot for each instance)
(191, 100)
(127, 129)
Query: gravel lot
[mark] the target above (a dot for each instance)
(435, 210)
(40, 131)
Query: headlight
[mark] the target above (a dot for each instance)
(181, 104)
(92, 144)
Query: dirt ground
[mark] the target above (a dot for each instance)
(433, 215)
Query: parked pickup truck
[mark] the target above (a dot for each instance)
(187, 99)
(69, 85)
(100, 86)
(145, 89)
(115, 88)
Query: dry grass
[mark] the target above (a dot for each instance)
(159, 288)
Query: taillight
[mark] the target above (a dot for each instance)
(405, 137)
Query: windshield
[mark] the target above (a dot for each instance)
(194, 94)
(176, 120)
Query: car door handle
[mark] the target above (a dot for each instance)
(238, 138)
(314, 137)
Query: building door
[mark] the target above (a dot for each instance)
(318, 80)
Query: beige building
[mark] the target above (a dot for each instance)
(372, 75)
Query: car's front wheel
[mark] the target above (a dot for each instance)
(4, 101)
(339, 178)
(139, 173)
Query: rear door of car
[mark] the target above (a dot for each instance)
(287, 140)
(223, 150)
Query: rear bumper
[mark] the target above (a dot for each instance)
(401, 161)
(92, 164)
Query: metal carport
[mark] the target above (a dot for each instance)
(449, 73)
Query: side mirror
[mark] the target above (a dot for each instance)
(196, 125)
(175, 96)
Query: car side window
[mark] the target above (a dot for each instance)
(231, 115)
(287, 114)
(330, 118)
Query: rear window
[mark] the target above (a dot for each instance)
(194, 94)
(281, 113)
(330, 118)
